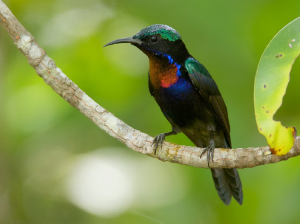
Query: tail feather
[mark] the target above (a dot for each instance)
(235, 184)
(233, 177)
(228, 184)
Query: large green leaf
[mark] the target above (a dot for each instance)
(272, 77)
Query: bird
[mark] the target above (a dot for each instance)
(189, 98)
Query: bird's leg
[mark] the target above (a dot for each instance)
(159, 139)
(210, 148)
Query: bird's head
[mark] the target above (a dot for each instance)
(159, 41)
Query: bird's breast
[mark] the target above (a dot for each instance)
(162, 74)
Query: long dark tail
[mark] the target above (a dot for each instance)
(228, 183)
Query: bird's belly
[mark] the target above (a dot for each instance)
(200, 135)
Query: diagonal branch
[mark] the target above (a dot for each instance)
(45, 67)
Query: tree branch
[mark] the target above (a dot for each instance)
(45, 67)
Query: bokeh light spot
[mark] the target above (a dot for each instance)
(98, 187)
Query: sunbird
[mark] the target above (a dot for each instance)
(189, 98)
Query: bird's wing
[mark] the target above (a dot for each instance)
(210, 93)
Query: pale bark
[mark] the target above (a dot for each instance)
(45, 67)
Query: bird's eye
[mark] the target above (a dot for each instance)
(153, 39)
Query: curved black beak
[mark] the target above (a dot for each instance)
(125, 40)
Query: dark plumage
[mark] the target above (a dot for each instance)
(189, 98)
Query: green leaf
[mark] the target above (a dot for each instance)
(272, 77)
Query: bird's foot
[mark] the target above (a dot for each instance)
(210, 151)
(158, 140)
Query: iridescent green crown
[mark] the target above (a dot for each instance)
(165, 32)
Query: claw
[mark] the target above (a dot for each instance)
(208, 156)
(158, 140)
(210, 152)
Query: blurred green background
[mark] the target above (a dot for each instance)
(57, 167)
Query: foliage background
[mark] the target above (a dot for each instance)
(58, 167)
